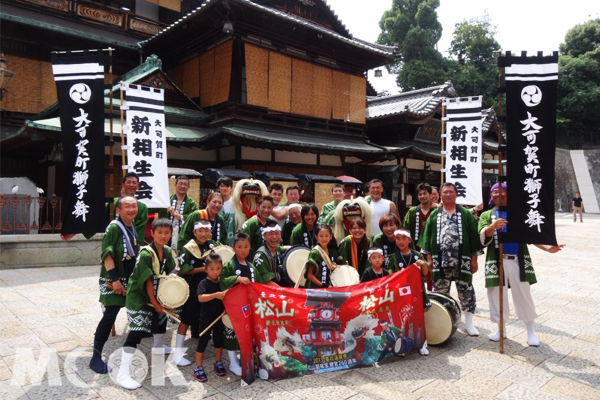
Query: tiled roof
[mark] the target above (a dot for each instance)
(376, 48)
(418, 103)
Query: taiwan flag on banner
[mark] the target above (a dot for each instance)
(292, 332)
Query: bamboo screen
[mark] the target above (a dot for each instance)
(323, 194)
(207, 72)
(220, 92)
(280, 82)
(257, 75)
(48, 85)
(191, 79)
(358, 101)
(341, 95)
(302, 88)
(322, 92)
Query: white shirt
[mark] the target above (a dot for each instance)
(279, 221)
(378, 209)
(227, 206)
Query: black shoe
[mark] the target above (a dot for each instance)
(96, 363)
(219, 368)
(199, 374)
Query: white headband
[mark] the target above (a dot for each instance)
(404, 233)
(199, 225)
(370, 252)
(271, 229)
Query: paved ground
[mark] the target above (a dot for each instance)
(46, 313)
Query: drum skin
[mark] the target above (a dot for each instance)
(227, 321)
(224, 251)
(441, 321)
(293, 263)
(344, 275)
(173, 291)
(403, 345)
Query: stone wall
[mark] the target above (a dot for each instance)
(26, 251)
(565, 183)
(593, 161)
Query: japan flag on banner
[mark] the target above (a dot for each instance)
(403, 291)
(146, 144)
(463, 148)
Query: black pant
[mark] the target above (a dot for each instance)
(105, 325)
(217, 336)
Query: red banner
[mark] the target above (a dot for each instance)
(291, 332)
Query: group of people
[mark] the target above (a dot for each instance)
(442, 240)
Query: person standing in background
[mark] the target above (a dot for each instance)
(577, 207)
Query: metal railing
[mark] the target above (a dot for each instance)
(21, 215)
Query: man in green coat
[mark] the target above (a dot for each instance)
(326, 215)
(451, 244)
(131, 183)
(253, 226)
(119, 252)
(181, 207)
(517, 268)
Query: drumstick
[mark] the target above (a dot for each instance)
(169, 313)
(212, 323)
(299, 276)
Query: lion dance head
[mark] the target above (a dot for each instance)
(348, 210)
(245, 199)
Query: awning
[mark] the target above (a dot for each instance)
(299, 140)
(212, 175)
(307, 179)
(267, 176)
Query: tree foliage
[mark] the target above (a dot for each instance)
(414, 27)
(472, 48)
(578, 122)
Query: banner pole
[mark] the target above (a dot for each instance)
(111, 160)
(500, 245)
(443, 142)
(123, 162)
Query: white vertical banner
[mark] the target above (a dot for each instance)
(146, 143)
(463, 148)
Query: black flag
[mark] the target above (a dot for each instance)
(80, 90)
(531, 88)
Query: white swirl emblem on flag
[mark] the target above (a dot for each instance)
(531, 95)
(80, 93)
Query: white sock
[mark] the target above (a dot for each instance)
(423, 350)
(158, 340)
(234, 365)
(471, 330)
(124, 378)
(495, 337)
(532, 340)
(178, 357)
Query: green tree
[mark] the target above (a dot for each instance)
(578, 122)
(414, 27)
(472, 48)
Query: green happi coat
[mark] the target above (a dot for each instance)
(492, 277)
(230, 226)
(139, 313)
(410, 222)
(262, 264)
(327, 214)
(253, 228)
(187, 230)
(112, 244)
(140, 220)
(317, 264)
(470, 243)
(189, 206)
(286, 231)
(345, 249)
(190, 259)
